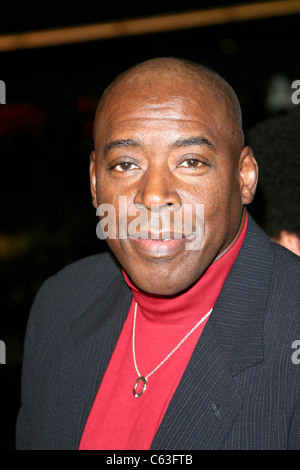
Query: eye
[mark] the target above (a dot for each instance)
(124, 166)
(191, 163)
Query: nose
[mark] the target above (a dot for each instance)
(157, 189)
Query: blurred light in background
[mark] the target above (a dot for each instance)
(24, 118)
(85, 104)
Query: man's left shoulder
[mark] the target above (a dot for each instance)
(283, 299)
(286, 264)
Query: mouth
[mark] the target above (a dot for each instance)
(159, 245)
(162, 236)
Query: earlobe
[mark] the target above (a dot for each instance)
(248, 175)
(93, 178)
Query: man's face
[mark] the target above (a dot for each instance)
(168, 147)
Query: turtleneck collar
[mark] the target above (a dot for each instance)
(195, 302)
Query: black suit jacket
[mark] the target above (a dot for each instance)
(240, 390)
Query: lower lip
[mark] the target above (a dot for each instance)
(159, 248)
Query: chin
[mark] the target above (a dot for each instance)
(159, 291)
(162, 285)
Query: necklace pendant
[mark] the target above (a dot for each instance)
(140, 379)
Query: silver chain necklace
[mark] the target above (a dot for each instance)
(145, 378)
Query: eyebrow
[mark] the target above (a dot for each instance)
(189, 141)
(197, 140)
(120, 143)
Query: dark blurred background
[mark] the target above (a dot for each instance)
(47, 219)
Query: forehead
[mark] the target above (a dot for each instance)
(163, 109)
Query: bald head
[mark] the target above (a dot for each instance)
(166, 76)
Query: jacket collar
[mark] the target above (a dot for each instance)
(237, 320)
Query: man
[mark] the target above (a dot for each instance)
(276, 143)
(190, 345)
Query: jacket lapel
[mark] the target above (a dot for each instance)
(207, 401)
(205, 404)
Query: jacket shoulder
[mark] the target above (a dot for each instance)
(84, 274)
(285, 260)
(65, 295)
(286, 274)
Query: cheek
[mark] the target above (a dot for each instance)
(220, 195)
(109, 190)
(211, 196)
(222, 208)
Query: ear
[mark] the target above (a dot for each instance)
(93, 179)
(248, 175)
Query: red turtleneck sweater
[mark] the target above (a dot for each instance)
(118, 420)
